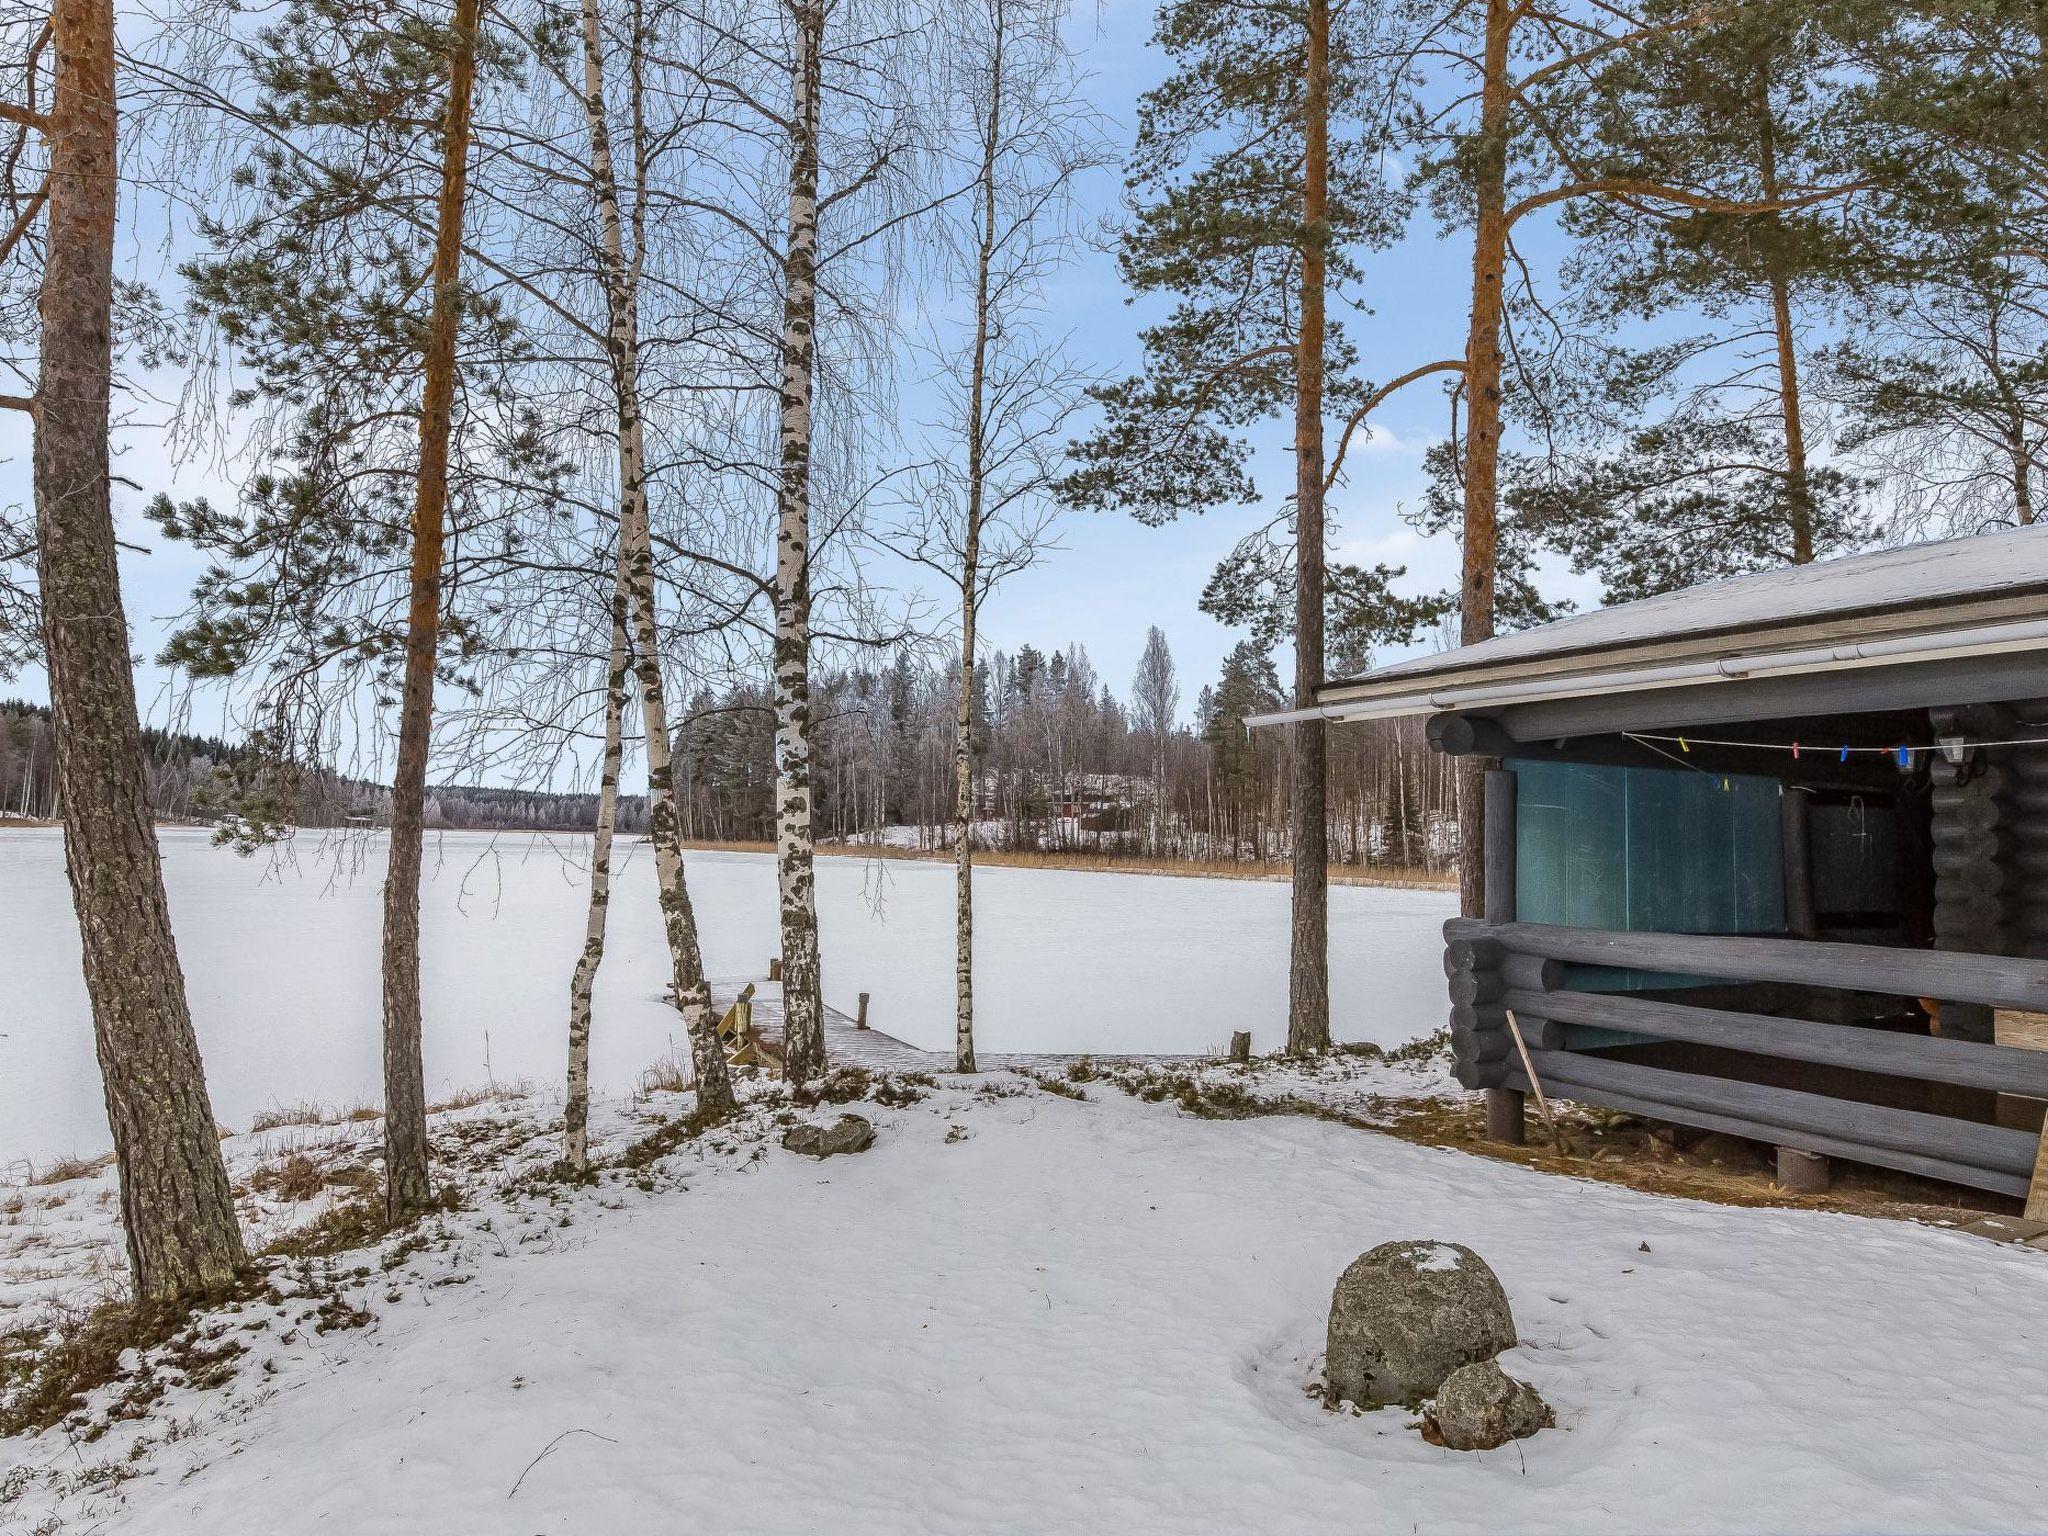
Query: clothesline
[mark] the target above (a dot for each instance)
(1902, 752)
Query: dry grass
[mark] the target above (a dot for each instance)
(310, 1112)
(1397, 876)
(670, 1074)
(493, 1092)
(1620, 1149)
(65, 1169)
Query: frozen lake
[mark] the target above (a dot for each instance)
(280, 959)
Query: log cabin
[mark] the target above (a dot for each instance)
(1767, 856)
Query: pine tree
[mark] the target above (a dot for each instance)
(1746, 113)
(177, 1210)
(1258, 189)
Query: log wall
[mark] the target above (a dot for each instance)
(1495, 968)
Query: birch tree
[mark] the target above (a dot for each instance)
(984, 508)
(576, 1098)
(822, 176)
(621, 271)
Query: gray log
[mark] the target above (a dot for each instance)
(1532, 973)
(1477, 987)
(1479, 1074)
(1471, 953)
(1954, 976)
(1481, 1045)
(1478, 1016)
(1828, 1146)
(2002, 1068)
(1989, 1147)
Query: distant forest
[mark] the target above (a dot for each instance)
(1063, 763)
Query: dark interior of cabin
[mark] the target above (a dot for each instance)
(1893, 842)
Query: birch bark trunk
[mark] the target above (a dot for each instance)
(406, 1185)
(176, 1207)
(970, 570)
(802, 991)
(576, 1106)
(1308, 1002)
(1483, 417)
(636, 564)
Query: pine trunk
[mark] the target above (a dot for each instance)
(803, 1005)
(1798, 484)
(1308, 1000)
(406, 1184)
(636, 562)
(576, 1101)
(1483, 419)
(176, 1207)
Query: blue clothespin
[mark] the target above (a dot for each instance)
(1845, 754)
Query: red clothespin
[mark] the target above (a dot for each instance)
(1795, 751)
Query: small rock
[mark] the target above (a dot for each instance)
(1481, 1406)
(850, 1134)
(1408, 1314)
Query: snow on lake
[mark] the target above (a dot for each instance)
(280, 958)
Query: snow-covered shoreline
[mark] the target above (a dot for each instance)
(1023, 1311)
(280, 960)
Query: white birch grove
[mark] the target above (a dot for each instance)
(636, 563)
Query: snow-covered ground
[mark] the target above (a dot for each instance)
(1024, 1313)
(280, 959)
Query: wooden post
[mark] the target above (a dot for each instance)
(1241, 1046)
(1796, 835)
(2037, 1192)
(1506, 1114)
(861, 1017)
(1803, 1173)
(775, 967)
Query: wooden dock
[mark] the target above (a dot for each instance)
(846, 1043)
(849, 1045)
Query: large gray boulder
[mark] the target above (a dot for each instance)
(1481, 1406)
(850, 1133)
(1406, 1315)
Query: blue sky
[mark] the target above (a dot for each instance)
(1111, 577)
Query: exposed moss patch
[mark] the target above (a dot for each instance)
(47, 1373)
(668, 1136)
